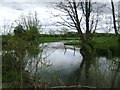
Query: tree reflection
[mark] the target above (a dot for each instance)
(116, 72)
(85, 64)
(100, 73)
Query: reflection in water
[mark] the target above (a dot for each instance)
(116, 75)
(97, 73)
(64, 65)
(78, 73)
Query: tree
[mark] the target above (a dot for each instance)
(28, 27)
(65, 30)
(19, 31)
(22, 43)
(51, 32)
(30, 21)
(72, 11)
(114, 21)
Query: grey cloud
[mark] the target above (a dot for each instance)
(24, 5)
(14, 5)
(105, 7)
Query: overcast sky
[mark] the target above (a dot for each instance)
(11, 10)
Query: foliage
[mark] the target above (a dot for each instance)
(14, 51)
(15, 48)
(19, 31)
(32, 34)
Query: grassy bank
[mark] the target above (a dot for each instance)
(107, 45)
(104, 45)
(77, 44)
(55, 39)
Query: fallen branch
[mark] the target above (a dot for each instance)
(76, 86)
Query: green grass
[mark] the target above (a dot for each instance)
(55, 39)
(77, 44)
(49, 39)
(106, 45)
(103, 45)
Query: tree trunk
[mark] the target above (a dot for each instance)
(86, 50)
(86, 45)
(113, 13)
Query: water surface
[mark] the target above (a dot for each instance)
(62, 64)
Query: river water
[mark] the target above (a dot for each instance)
(58, 65)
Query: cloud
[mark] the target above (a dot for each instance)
(54, 0)
(32, 0)
(12, 10)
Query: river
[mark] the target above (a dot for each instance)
(62, 65)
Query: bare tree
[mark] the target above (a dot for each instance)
(29, 21)
(51, 32)
(114, 21)
(65, 30)
(72, 11)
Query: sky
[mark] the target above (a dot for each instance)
(11, 10)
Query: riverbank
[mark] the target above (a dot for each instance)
(55, 39)
(104, 45)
